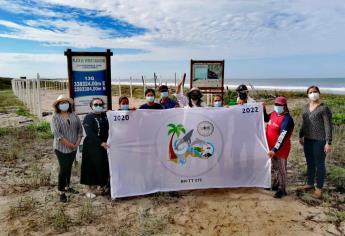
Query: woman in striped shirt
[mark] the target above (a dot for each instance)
(68, 131)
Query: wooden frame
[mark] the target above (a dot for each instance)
(207, 89)
(69, 53)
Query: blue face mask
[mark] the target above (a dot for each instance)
(150, 98)
(279, 109)
(124, 107)
(164, 94)
(217, 104)
(98, 109)
(63, 106)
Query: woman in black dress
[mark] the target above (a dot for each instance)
(94, 167)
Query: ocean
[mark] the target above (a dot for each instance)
(326, 85)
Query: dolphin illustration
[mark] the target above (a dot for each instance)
(198, 141)
(185, 139)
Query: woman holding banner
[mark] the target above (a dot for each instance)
(67, 130)
(94, 166)
(150, 101)
(278, 132)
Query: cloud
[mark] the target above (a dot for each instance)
(181, 30)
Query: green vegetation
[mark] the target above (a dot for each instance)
(41, 129)
(5, 83)
(336, 175)
(10, 103)
(22, 207)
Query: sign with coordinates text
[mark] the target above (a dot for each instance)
(89, 77)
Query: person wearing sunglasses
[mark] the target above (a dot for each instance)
(94, 167)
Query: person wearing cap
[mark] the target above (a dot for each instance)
(68, 131)
(165, 101)
(242, 95)
(316, 137)
(278, 132)
(94, 166)
(150, 95)
(193, 98)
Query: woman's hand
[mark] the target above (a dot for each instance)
(328, 148)
(271, 154)
(301, 141)
(105, 146)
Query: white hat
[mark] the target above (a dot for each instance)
(61, 98)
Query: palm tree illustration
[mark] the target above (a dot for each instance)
(174, 129)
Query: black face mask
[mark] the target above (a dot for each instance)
(243, 95)
(195, 96)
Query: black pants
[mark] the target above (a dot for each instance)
(315, 156)
(65, 163)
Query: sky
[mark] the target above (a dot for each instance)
(257, 39)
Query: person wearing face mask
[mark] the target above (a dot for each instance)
(278, 132)
(150, 101)
(316, 137)
(242, 95)
(193, 98)
(124, 104)
(94, 166)
(68, 131)
(217, 101)
(165, 101)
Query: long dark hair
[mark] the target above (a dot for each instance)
(198, 102)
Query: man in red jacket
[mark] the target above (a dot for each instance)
(278, 132)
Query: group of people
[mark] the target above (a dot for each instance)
(315, 136)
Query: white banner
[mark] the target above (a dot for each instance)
(181, 148)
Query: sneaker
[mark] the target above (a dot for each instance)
(90, 195)
(71, 190)
(280, 194)
(63, 197)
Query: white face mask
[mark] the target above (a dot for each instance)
(97, 109)
(164, 94)
(63, 106)
(279, 109)
(124, 107)
(314, 96)
(217, 104)
(150, 98)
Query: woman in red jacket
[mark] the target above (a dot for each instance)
(278, 132)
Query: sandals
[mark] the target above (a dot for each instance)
(305, 188)
(317, 193)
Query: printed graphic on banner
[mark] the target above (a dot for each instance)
(196, 143)
(89, 80)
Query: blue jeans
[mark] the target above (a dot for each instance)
(315, 156)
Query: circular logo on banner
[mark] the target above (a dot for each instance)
(189, 146)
